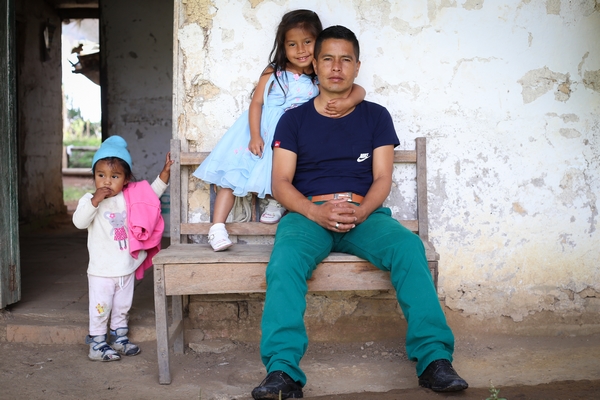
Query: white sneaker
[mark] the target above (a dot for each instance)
(218, 237)
(273, 212)
(120, 342)
(100, 350)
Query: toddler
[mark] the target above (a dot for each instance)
(124, 232)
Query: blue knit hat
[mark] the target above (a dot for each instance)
(114, 146)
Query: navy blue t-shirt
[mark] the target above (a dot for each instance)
(334, 154)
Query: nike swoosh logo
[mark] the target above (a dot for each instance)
(363, 157)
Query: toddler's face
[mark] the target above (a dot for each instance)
(110, 175)
(299, 48)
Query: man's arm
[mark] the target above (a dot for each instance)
(383, 165)
(332, 212)
(326, 214)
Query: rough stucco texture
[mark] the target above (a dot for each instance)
(139, 63)
(508, 97)
(39, 116)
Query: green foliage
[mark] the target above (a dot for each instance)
(79, 132)
(74, 193)
(494, 393)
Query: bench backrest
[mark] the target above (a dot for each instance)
(186, 162)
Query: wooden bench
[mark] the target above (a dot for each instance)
(189, 269)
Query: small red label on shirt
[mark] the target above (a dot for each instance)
(277, 143)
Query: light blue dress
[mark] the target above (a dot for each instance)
(231, 164)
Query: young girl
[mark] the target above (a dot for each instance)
(241, 162)
(124, 231)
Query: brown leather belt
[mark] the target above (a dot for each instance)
(349, 196)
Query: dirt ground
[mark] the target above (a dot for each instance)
(521, 367)
(53, 371)
(81, 182)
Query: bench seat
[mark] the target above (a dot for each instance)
(186, 268)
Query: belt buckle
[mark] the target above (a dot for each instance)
(347, 196)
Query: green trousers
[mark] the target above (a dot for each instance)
(301, 244)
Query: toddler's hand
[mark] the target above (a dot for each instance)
(100, 194)
(165, 174)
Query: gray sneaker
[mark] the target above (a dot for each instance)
(100, 350)
(120, 342)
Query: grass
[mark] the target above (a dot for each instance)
(81, 159)
(74, 193)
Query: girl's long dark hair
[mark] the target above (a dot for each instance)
(305, 19)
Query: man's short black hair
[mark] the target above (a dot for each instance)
(337, 32)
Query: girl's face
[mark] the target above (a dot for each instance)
(110, 175)
(299, 50)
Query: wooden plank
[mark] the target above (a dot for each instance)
(422, 206)
(177, 334)
(241, 253)
(10, 259)
(162, 332)
(196, 158)
(250, 278)
(185, 174)
(175, 192)
(254, 228)
(183, 279)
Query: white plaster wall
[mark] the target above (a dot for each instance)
(137, 46)
(39, 112)
(508, 95)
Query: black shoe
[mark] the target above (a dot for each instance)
(439, 376)
(275, 383)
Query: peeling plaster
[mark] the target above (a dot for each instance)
(473, 5)
(512, 190)
(199, 12)
(570, 133)
(524, 303)
(540, 81)
(435, 7)
(591, 80)
(553, 7)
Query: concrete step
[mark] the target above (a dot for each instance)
(38, 329)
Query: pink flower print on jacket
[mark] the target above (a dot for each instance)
(117, 221)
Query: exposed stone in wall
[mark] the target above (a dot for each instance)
(199, 12)
(340, 316)
(468, 299)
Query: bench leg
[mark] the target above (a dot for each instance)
(433, 267)
(162, 333)
(177, 305)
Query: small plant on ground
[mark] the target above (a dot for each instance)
(494, 393)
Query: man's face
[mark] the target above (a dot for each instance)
(337, 67)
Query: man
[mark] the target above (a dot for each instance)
(314, 158)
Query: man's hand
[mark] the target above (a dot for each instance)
(337, 215)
